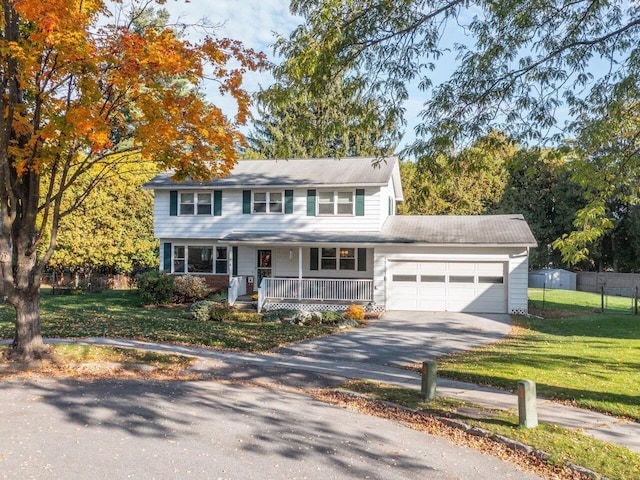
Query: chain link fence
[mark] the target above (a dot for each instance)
(621, 300)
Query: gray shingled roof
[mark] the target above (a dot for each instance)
(356, 171)
(484, 230)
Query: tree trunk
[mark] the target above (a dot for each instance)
(27, 343)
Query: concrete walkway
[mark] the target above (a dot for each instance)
(296, 367)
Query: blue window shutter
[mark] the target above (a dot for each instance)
(288, 201)
(360, 202)
(246, 201)
(314, 259)
(217, 203)
(173, 203)
(362, 259)
(234, 264)
(311, 204)
(166, 266)
(391, 212)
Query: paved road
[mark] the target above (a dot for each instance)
(400, 338)
(64, 429)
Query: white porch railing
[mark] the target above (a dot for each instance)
(316, 289)
(232, 293)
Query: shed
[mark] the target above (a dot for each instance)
(552, 278)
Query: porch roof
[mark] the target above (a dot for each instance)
(480, 230)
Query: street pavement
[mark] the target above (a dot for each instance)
(375, 353)
(114, 429)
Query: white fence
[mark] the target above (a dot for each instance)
(319, 289)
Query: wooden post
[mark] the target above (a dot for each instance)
(428, 380)
(527, 410)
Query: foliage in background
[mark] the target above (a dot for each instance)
(467, 183)
(295, 122)
(112, 230)
(540, 187)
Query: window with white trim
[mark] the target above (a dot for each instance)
(335, 203)
(200, 259)
(338, 258)
(195, 203)
(267, 202)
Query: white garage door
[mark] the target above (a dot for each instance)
(478, 287)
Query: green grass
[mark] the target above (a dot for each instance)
(118, 313)
(573, 300)
(563, 445)
(589, 359)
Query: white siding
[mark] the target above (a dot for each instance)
(286, 265)
(518, 284)
(232, 218)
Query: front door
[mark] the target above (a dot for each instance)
(264, 265)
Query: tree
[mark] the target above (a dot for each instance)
(470, 182)
(112, 230)
(516, 62)
(606, 162)
(540, 187)
(338, 120)
(82, 91)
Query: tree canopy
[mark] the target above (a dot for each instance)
(515, 63)
(83, 87)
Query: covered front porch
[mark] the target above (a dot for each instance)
(302, 277)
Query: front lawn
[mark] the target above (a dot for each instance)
(591, 360)
(118, 313)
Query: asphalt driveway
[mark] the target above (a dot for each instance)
(403, 337)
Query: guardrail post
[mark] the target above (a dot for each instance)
(428, 391)
(527, 410)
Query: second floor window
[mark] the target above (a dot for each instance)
(267, 202)
(335, 203)
(195, 204)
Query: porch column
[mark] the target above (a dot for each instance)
(299, 273)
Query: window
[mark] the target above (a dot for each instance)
(347, 259)
(335, 203)
(338, 259)
(267, 202)
(179, 259)
(328, 259)
(200, 259)
(195, 204)
(221, 260)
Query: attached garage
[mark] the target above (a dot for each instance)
(473, 264)
(456, 286)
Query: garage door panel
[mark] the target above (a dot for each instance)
(448, 286)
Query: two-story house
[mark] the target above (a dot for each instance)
(323, 232)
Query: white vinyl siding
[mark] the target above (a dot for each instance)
(232, 219)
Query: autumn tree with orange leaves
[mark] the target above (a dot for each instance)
(86, 89)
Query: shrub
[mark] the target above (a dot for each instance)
(249, 317)
(201, 310)
(331, 318)
(278, 315)
(355, 312)
(188, 289)
(155, 287)
(220, 312)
